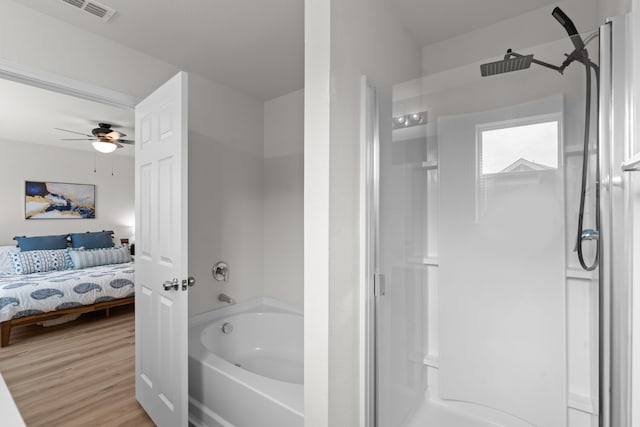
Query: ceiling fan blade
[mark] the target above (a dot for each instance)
(72, 131)
(117, 144)
(126, 141)
(77, 139)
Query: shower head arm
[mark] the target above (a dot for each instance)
(580, 55)
(511, 53)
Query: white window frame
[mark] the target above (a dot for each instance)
(517, 122)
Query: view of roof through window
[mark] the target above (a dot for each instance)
(520, 148)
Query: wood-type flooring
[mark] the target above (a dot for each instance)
(76, 374)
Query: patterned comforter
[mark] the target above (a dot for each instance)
(25, 295)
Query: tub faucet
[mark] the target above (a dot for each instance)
(225, 298)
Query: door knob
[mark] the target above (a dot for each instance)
(168, 285)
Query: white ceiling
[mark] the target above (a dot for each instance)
(257, 46)
(430, 21)
(31, 114)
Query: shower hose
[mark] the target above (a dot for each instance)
(589, 66)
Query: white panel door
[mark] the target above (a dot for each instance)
(161, 255)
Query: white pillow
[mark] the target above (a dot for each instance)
(6, 266)
(85, 258)
(28, 262)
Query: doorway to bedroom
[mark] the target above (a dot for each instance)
(47, 137)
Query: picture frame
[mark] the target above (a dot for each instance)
(59, 200)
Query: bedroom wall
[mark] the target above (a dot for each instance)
(114, 194)
(283, 187)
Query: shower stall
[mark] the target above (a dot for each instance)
(494, 256)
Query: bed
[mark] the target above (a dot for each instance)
(33, 298)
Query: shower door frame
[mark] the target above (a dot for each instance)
(616, 206)
(604, 143)
(369, 232)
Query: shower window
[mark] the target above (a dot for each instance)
(514, 154)
(522, 145)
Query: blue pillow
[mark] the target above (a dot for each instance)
(96, 240)
(41, 243)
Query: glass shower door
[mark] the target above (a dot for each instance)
(502, 264)
(487, 318)
(400, 325)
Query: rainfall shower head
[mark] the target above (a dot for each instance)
(513, 61)
(508, 64)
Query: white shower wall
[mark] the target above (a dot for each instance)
(440, 63)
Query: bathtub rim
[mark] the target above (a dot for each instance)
(287, 395)
(271, 305)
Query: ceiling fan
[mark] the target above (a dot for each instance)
(105, 139)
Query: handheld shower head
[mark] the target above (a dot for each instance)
(569, 27)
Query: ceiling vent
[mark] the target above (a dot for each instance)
(92, 7)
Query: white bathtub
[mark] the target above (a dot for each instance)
(251, 376)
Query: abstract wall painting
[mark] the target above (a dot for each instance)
(59, 200)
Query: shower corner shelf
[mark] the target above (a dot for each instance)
(580, 274)
(425, 261)
(632, 163)
(582, 403)
(431, 164)
(573, 149)
(431, 361)
(428, 165)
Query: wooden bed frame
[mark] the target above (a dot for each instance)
(5, 327)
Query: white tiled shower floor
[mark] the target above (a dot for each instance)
(433, 414)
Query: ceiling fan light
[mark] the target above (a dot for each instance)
(104, 147)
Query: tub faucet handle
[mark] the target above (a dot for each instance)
(220, 271)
